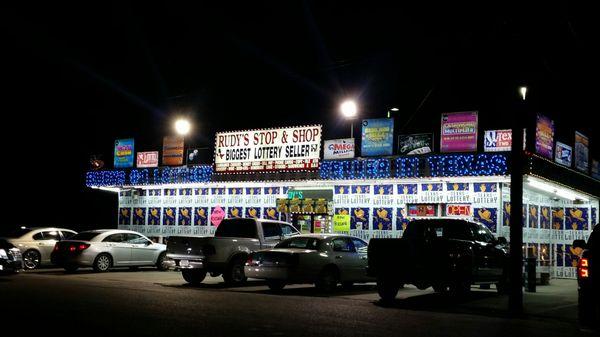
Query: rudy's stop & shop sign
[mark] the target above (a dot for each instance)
(292, 148)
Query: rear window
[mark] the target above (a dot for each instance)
(236, 228)
(449, 229)
(302, 243)
(85, 236)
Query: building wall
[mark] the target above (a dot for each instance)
(378, 208)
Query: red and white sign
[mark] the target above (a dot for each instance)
(216, 216)
(497, 140)
(458, 210)
(293, 148)
(147, 159)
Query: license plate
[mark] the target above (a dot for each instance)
(184, 263)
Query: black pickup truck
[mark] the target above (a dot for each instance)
(449, 255)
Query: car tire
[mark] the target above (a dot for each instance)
(327, 280)
(234, 273)
(193, 276)
(31, 259)
(387, 289)
(102, 263)
(276, 285)
(160, 262)
(71, 268)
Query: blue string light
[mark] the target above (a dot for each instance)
(157, 176)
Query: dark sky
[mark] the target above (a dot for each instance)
(78, 76)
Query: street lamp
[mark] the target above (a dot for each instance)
(182, 126)
(390, 110)
(349, 110)
(523, 92)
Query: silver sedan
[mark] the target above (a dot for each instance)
(322, 259)
(103, 249)
(36, 243)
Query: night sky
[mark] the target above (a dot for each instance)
(78, 76)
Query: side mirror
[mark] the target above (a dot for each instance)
(148, 243)
(579, 244)
(502, 240)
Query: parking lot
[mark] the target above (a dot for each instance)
(148, 302)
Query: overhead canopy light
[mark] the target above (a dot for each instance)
(554, 189)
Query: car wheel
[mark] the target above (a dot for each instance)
(161, 262)
(31, 259)
(327, 280)
(71, 268)
(387, 289)
(193, 276)
(461, 286)
(102, 263)
(234, 273)
(276, 285)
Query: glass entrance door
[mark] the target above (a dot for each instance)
(312, 223)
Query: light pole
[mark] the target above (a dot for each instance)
(515, 270)
(349, 110)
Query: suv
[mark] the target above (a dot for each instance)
(225, 253)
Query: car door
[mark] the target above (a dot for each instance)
(487, 258)
(45, 242)
(142, 250)
(272, 234)
(119, 248)
(346, 258)
(361, 248)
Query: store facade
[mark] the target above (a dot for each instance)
(369, 198)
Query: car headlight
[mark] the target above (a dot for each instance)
(3, 254)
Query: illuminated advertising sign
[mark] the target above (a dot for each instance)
(497, 140)
(459, 132)
(173, 151)
(292, 148)
(147, 159)
(415, 144)
(544, 136)
(124, 149)
(582, 144)
(563, 155)
(377, 137)
(338, 149)
(458, 210)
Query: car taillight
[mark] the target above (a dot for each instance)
(83, 246)
(583, 268)
(249, 261)
(56, 247)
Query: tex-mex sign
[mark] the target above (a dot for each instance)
(291, 148)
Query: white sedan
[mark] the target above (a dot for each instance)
(36, 244)
(106, 248)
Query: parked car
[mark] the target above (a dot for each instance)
(225, 253)
(322, 259)
(10, 258)
(588, 299)
(447, 254)
(36, 244)
(106, 248)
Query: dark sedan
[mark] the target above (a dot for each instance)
(10, 258)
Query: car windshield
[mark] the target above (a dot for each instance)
(302, 243)
(19, 232)
(85, 236)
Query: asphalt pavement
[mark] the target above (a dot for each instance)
(146, 302)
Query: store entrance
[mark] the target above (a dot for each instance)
(311, 223)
